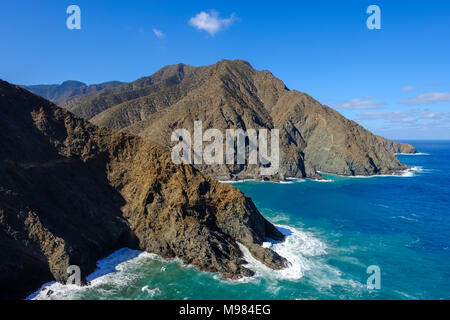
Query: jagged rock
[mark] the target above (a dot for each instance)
(396, 147)
(72, 193)
(231, 95)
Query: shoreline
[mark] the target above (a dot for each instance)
(406, 173)
(108, 266)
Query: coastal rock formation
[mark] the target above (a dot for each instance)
(72, 193)
(232, 95)
(396, 147)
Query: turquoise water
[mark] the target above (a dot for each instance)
(336, 230)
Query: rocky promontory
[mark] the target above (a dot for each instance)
(71, 193)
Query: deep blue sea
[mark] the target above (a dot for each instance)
(336, 229)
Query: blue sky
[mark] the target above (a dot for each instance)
(394, 81)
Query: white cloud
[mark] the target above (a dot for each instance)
(408, 88)
(393, 116)
(210, 21)
(158, 33)
(426, 98)
(359, 104)
(407, 118)
(432, 115)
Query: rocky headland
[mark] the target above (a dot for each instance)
(71, 193)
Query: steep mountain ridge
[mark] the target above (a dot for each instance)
(72, 193)
(231, 95)
(69, 90)
(164, 80)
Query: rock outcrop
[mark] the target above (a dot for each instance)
(232, 95)
(396, 147)
(72, 193)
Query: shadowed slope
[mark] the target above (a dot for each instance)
(71, 193)
(231, 95)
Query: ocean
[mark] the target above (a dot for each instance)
(335, 230)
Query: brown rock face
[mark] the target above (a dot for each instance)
(396, 147)
(72, 193)
(232, 95)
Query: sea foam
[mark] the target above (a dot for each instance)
(235, 181)
(306, 255)
(109, 270)
(409, 172)
(298, 247)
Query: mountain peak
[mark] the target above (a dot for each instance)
(72, 193)
(231, 94)
(59, 93)
(73, 84)
(234, 62)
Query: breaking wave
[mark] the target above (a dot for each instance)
(298, 247)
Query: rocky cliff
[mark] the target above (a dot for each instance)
(232, 95)
(395, 147)
(72, 193)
